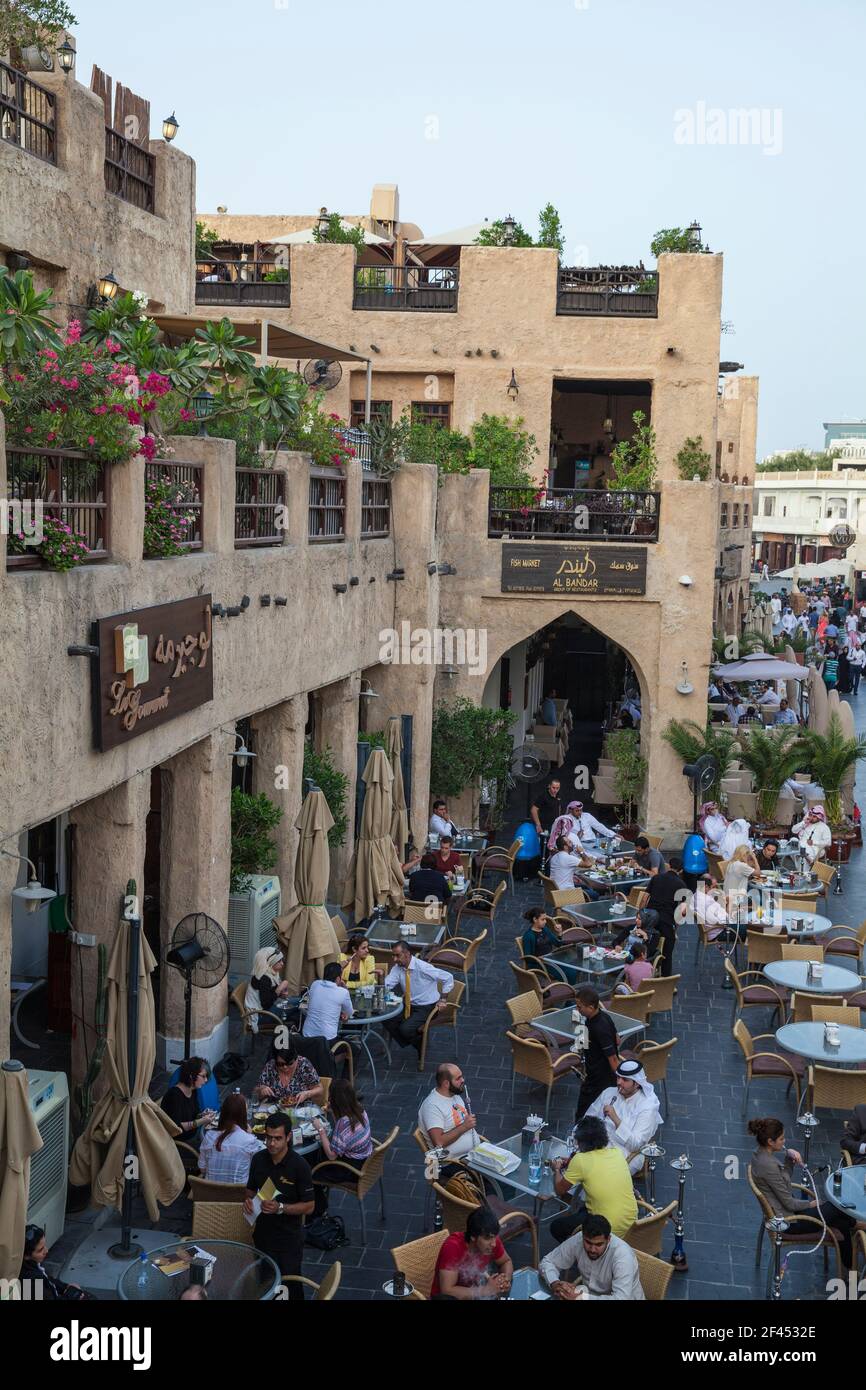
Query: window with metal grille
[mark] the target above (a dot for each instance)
(736, 517)
(745, 514)
(379, 410)
(375, 507)
(724, 515)
(432, 413)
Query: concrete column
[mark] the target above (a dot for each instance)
(194, 877)
(278, 772)
(9, 869)
(337, 729)
(297, 468)
(353, 500)
(218, 456)
(108, 850)
(409, 690)
(127, 511)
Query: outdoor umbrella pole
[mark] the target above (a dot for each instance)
(126, 1250)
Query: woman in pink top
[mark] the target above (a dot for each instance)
(634, 974)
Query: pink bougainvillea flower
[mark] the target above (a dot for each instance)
(28, 429)
(73, 332)
(133, 416)
(90, 439)
(88, 368)
(51, 436)
(147, 447)
(187, 415)
(111, 346)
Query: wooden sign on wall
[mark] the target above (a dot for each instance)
(154, 664)
(588, 571)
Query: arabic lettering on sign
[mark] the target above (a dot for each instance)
(578, 567)
(591, 571)
(185, 649)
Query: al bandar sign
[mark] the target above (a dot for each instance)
(590, 571)
(153, 665)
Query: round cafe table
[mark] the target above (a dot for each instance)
(853, 1192)
(794, 974)
(816, 925)
(241, 1274)
(362, 1026)
(807, 1040)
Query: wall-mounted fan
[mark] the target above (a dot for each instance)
(322, 375)
(529, 765)
(200, 951)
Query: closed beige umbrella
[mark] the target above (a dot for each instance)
(846, 723)
(19, 1140)
(819, 708)
(306, 932)
(375, 875)
(400, 828)
(792, 688)
(98, 1156)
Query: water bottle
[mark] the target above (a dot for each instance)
(535, 1163)
(143, 1276)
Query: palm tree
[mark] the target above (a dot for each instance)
(831, 755)
(773, 756)
(690, 742)
(25, 326)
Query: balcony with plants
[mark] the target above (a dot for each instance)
(234, 273)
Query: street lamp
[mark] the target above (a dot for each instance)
(107, 286)
(324, 221)
(34, 895)
(508, 227)
(513, 390)
(202, 404)
(66, 54)
(243, 754)
(169, 128)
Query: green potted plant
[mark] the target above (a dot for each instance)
(253, 851)
(630, 770)
(772, 756)
(471, 745)
(635, 462)
(690, 742)
(831, 756)
(693, 461)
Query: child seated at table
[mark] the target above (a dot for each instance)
(636, 972)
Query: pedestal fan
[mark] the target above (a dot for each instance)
(200, 951)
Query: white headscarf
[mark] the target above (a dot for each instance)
(631, 1070)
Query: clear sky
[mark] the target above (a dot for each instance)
(607, 108)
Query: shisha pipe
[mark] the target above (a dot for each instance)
(652, 1151)
(809, 1122)
(776, 1228)
(682, 1165)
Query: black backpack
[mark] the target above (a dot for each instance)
(325, 1232)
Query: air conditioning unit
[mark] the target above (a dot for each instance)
(46, 1201)
(251, 917)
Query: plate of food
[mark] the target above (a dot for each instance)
(306, 1112)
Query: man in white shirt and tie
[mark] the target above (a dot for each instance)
(421, 985)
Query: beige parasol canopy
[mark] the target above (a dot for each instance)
(792, 688)
(19, 1140)
(375, 876)
(846, 724)
(399, 815)
(819, 708)
(306, 932)
(98, 1156)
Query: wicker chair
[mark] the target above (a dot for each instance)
(813, 1236)
(221, 1221)
(523, 1008)
(756, 996)
(636, 1006)
(803, 1004)
(655, 1275)
(654, 1058)
(835, 1088)
(767, 1065)
(762, 948)
(203, 1190)
(843, 945)
(452, 958)
(654, 841)
(794, 904)
(552, 994)
(325, 1291)
(342, 1049)
(569, 897)
(442, 1018)
(842, 1014)
(496, 859)
(573, 934)
(417, 1260)
(237, 997)
(513, 1223)
(423, 912)
(481, 903)
(549, 889)
(359, 1181)
(796, 951)
(825, 874)
(533, 1060)
(714, 864)
(664, 988)
(637, 898)
(706, 936)
(648, 1231)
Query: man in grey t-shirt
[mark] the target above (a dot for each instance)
(608, 1269)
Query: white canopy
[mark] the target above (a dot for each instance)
(458, 236)
(305, 235)
(760, 667)
(826, 570)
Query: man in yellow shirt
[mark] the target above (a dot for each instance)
(603, 1173)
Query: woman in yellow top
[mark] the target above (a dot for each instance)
(602, 1171)
(359, 967)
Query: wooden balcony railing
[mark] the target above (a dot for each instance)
(71, 486)
(260, 499)
(129, 171)
(375, 507)
(327, 512)
(427, 289)
(608, 291)
(27, 114)
(188, 478)
(573, 514)
(242, 282)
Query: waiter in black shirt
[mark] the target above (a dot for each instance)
(545, 809)
(668, 896)
(602, 1055)
(279, 1229)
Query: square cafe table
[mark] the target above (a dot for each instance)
(518, 1180)
(465, 842)
(559, 1025)
(617, 883)
(571, 962)
(387, 933)
(599, 914)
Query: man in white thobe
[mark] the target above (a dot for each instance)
(588, 830)
(630, 1110)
